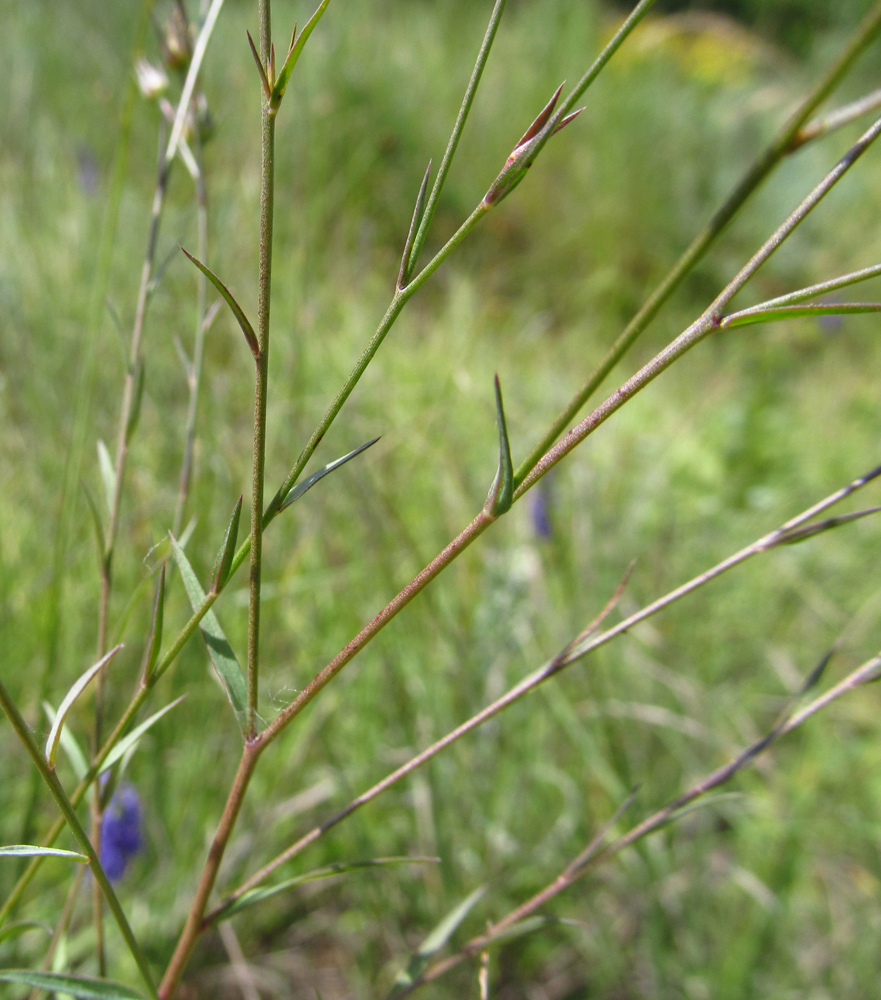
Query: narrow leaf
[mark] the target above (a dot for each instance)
(96, 523)
(69, 745)
(802, 534)
(307, 484)
(813, 678)
(81, 987)
(22, 927)
(76, 690)
(152, 654)
(502, 493)
(227, 552)
(832, 285)
(108, 474)
(237, 310)
(255, 896)
(435, 941)
(130, 741)
(527, 926)
(29, 851)
(135, 414)
(749, 317)
(294, 54)
(406, 269)
(569, 118)
(266, 88)
(224, 659)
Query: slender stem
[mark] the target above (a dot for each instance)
(194, 369)
(456, 134)
(594, 852)
(68, 810)
(192, 928)
(705, 324)
(781, 145)
(572, 652)
(474, 530)
(267, 198)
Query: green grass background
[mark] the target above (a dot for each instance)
(772, 892)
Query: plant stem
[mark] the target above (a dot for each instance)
(267, 198)
(68, 811)
(783, 143)
(192, 928)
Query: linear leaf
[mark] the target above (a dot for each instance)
(96, 522)
(435, 941)
(30, 851)
(751, 316)
(502, 493)
(128, 742)
(823, 288)
(81, 987)
(259, 895)
(307, 484)
(70, 746)
(294, 54)
(237, 310)
(22, 927)
(75, 691)
(152, 654)
(227, 552)
(224, 659)
(406, 268)
(108, 474)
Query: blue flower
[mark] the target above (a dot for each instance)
(540, 511)
(120, 832)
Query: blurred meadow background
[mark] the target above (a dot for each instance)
(774, 890)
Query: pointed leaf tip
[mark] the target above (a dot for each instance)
(307, 484)
(407, 263)
(77, 688)
(502, 493)
(225, 556)
(152, 654)
(267, 90)
(222, 656)
(237, 310)
(280, 84)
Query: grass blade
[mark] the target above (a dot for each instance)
(224, 659)
(130, 741)
(307, 484)
(406, 265)
(153, 649)
(108, 474)
(81, 987)
(229, 298)
(259, 895)
(435, 941)
(75, 691)
(30, 851)
(70, 746)
(22, 927)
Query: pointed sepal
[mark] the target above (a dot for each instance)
(406, 263)
(228, 297)
(227, 551)
(501, 495)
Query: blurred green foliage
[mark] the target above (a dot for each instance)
(772, 892)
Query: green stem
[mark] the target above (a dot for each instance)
(68, 811)
(456, 134)
(782, 144)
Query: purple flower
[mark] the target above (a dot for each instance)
(120, 832)
(540, 511)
